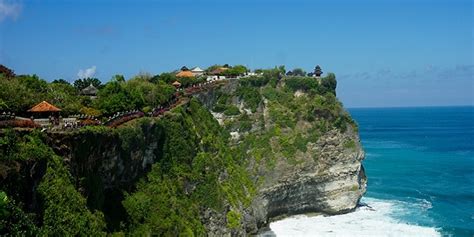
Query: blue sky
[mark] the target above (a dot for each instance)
(384, 53)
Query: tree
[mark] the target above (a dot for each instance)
(64, 96)
(235, 71)
(60, 81)
(213, 67)
(80, 84)
(7, 72)
(299, 72)
(165, 77)
(329, 83)
(118, 78)
(282, 69)
(21, 92)
(113, 98)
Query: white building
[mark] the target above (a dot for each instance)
(215, 78)
(197, 71)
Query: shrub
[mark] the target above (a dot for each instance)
(231, 110)
(302, 83)
(233, 219)
(251, 96)
(349, 144)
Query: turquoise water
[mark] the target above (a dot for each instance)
(422, 158)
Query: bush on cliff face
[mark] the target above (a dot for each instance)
(13, 220)
(290, 120)
(186, 179)
(64, 211)
(310, 84)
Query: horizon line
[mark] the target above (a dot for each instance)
(409, 106)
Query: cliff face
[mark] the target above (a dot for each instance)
(275, 150)
(323, 175)
(331, 184)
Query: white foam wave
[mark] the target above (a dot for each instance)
(374, 220)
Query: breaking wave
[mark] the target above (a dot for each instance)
(375, 218)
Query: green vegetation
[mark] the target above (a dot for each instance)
(236, 70)
(136, 93)
(231, 110)
(233, 219)
(80, 84)
(193, 154)
(292, 119)
(309, 84)
(20, 93)
(64, 210)
(13, 220)
(195, 169)
(163, 204)
(349, 144)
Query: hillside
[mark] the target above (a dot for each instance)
(225, 163)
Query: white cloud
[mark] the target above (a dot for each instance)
(9, 9)
(89, 72)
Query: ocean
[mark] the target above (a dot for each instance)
(420, 168)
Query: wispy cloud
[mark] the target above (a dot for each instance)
(88, 72)
(10, 9)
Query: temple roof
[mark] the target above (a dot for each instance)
(44, 107)
(185, 74)
(90, 90)
(197, 69)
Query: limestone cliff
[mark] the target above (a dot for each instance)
(323, 175)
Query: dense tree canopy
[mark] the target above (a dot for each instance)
(20, 93)
(236, 70)
(80, 84)
(299, 72)
(6, 72)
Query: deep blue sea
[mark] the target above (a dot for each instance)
(421, 160)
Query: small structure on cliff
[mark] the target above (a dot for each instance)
(197, 71)
(44, 108)
(317, 71)
(45, 113)
(185, 74)
(90, 91)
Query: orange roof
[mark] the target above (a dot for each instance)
(185, 74)
(176, 83)
(44, 107)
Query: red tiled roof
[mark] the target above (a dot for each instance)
(44, 107)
